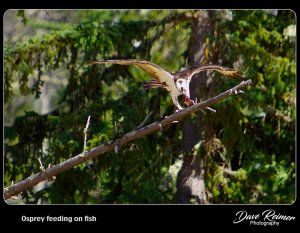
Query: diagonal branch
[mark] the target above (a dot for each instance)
(102, 149)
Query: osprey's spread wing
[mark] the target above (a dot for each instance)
(221, 69)
(160, 74)
(177, 83)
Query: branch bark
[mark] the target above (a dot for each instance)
(108, 146)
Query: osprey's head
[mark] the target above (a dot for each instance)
(183, 86)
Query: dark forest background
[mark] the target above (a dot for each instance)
(244, 153)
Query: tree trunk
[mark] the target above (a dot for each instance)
(190, 180)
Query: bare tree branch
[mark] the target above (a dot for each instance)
(145, 120)
(102, 149)
(229, 172)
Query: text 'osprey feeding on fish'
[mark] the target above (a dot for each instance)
(177, 83)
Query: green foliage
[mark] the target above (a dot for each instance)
(252, 140)
(258, 141)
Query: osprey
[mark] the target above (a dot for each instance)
(177, 83)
